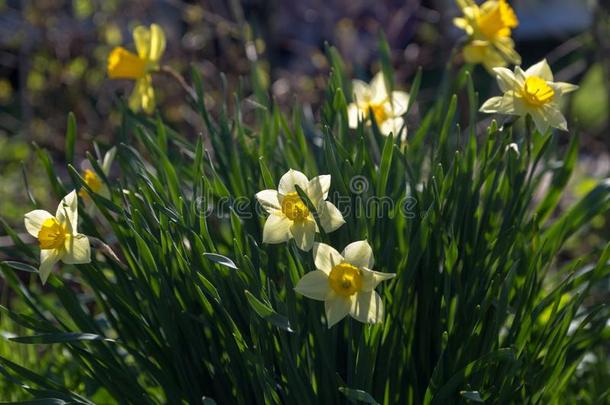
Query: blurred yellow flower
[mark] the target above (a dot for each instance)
(289, 216)
(123, 64)
(532, 92)
(57, 236)
(93, 180)
(489, 29)
(345, 282)
(387, 108)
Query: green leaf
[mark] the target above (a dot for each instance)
(220, 259)
(355, 395)
(266, 312)
(472, 396)
(70, 138)
(41, 401)
(46, 338)
(414, 90)
(560, 180)
(267, 178)
(384, 167)
(386, 61)
(20, 266)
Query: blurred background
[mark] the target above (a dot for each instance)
(53, 57)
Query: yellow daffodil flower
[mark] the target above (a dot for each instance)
(93, 180)
(289, 216)
(489, 29)
(123, 64)
(387, 109)
(57, 236)
(345, 282)
(532, 93)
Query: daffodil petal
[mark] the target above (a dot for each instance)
(67, 211)
(359, 253)
(48, 258)
(379, 92)
(147, 95)
(135, 99)
(325, 257)
(476, 51)
(506, 79)
(361, 91)
(318, 188)
(371, 278)
(520, 76)
(34, 219)
(78, 250)
(393, 126)
(540, 69)
(565, 87)
(141, 37)
(506, 50)
(540, 121)
(400, 102)
(143, 96)
(502, 105)
(268, 199)
(367, 307)
(331, 218)
(555, 118)
(304, 233)
(461, 23)
(276, 229)
(336, 308)
(354, 115)
(108, 159)
(290, 179)
(157, 43)
(314, 285)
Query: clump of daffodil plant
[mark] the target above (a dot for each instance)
(474, 294)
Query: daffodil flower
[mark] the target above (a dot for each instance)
(289, 216)
(345, 282)
(489, 29)
(57, 236)
(387, 108)
(123, 64)
(532, 93)
(94, 182)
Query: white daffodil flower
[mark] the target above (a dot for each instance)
(345, 282)
(532, 92)
(387, 108)
(58, 237)
(289, 216)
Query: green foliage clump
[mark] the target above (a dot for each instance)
(182, 303)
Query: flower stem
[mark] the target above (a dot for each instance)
(180, 79)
